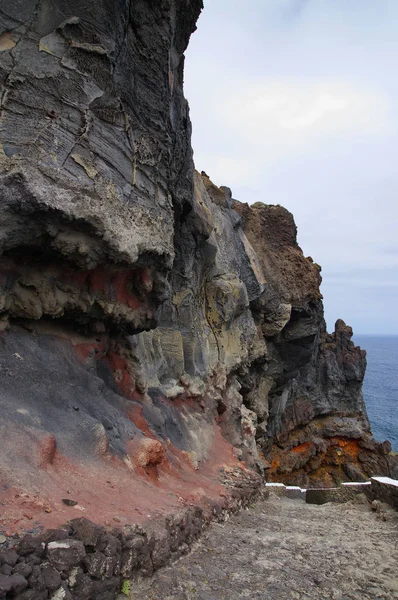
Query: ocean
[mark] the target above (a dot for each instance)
(380, 388)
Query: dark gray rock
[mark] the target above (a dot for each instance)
(110, 545)
(86, 531)
(95, 564)
(5, 585)
(12, 584)
(23, 569)
(51, 577)
(32, 595)
(52, 535)
(32, 559)
(62, 593)
(31, 545)
(65, 554)
(106, 589)
(8, 557)
(130, 562)
(36, 579)
(80, 583)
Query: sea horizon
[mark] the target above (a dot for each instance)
(374, 335)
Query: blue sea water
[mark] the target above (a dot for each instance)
(380, 388)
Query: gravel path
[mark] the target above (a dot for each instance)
(285, 549)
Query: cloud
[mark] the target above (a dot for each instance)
(292, 103)
(263, 124)
(289, 112)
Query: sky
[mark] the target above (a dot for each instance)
(294, 102)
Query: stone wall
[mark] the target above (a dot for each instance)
(384, 489)
(85, 561)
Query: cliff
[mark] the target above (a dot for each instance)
(160, 341)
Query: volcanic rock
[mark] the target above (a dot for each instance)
(162, 345)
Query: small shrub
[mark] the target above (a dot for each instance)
(126, 587)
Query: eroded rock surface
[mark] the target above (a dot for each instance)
(157, 336)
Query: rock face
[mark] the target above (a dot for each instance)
(155, 333)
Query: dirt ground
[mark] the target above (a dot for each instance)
(282, 549)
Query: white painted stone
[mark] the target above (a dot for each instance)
(386, 480)
(55, 545)
(354, 483)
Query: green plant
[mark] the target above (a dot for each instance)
(126, 587)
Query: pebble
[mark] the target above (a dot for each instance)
(69, 502)
(2, 539)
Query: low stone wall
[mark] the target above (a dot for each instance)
(85, 561)
(293, 492)
(339, 494)
(384, 489)
(276, 488)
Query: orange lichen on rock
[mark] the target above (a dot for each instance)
(324, 476)
(350, 448)
(305, 463)
(302, 447)
(275, 464)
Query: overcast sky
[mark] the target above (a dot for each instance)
(294, 102)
